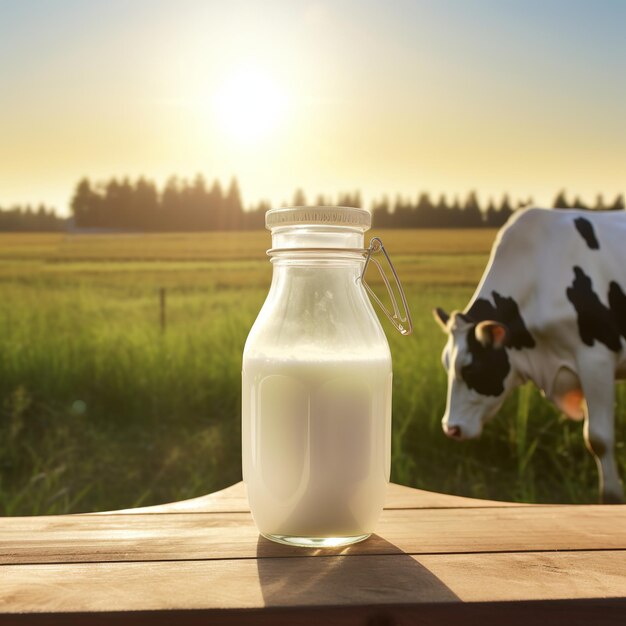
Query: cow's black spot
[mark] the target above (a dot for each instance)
(505, 311)
(490, 366)
(617, 303)
(585, 228)
(595, 320)
(488, 369)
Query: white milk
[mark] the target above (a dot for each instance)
(316, 443)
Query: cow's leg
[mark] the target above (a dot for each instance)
(599, 429)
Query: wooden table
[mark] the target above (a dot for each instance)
(436, 559)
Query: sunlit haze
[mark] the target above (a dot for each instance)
(249, 106)
(385, 97)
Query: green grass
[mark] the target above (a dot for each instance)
(100, 410)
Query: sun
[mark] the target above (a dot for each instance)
(249, 105)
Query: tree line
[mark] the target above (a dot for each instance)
(181, 205)
(196, 206)
(28, 219)
(424, 213)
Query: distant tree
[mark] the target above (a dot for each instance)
(618, 203)
(442, 212)
(299, 199)
(424, 214)
(85, 204)
(45, 220)
(402, 213)
(472, 215)
(560, 202)
(600, 206)
(217, 218)
(197, 209)
(120, 208)
(15, 219)
(349, 200)
(381, 217)
(505, 205)
(579, 204)
(442, 203)
(254, 218)
(497, 217)
(108, 209)
(170, 206)
(41, 219)
(233, 206)
(39, 222)
(145, 206)
(455, 213)
(491, 214)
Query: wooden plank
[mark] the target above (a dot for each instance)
(401, 497)
(182, 536)
(595, 611)
(233, 499)
(376, 581)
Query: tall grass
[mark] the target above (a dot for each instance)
(101, 410)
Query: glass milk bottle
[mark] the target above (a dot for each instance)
(316, 403)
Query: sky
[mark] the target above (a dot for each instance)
(396, 96)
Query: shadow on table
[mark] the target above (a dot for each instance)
(373, 572)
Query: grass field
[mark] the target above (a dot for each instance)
(101, 410)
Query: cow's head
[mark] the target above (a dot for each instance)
(479, 372)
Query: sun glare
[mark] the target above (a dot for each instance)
(249, 106)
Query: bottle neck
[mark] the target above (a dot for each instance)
(329, 270)
(317, 236)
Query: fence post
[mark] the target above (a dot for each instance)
(162, 306)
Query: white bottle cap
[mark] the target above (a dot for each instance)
(349, 217)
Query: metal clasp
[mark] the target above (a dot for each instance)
(402, 321)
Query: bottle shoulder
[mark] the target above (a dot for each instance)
(319, 321)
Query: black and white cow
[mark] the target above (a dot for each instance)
(550, 308)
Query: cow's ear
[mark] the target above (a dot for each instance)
(491, 334)
(441, 317)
